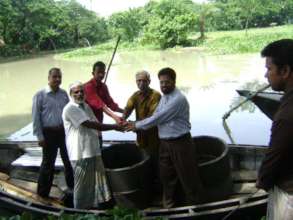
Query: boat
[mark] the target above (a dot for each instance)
(267, 102)
(239, 199)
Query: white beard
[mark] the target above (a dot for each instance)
(79, 101)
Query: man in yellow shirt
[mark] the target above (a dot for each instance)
(144, 102)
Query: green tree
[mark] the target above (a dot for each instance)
(127, 24)
(170, 23)
(204, 12)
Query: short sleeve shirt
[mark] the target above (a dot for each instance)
(81, 142)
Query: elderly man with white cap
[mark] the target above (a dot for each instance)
(82, 138)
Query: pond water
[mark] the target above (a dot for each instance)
(209, 82)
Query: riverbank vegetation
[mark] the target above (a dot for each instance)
(219, 42)
(27, 27)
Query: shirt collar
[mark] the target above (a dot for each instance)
(78, 105)
(287, 94)
(48, 89)
(171, 93)
(95, 83)
(73, 103)
(145, 94)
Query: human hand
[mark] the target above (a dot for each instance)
(130, 126)
(42, 143)
(119, 120)
(120, 127)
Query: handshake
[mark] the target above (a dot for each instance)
(123, 125)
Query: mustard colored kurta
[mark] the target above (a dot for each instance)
(144, 106)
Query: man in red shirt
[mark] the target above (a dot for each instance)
(98, 96)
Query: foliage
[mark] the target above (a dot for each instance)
(127, 24)
(231, 42)
(30, 26)
(170, 22)
(243, 14)
(48, 24)
(224, 42)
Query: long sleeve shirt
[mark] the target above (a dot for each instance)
(97, 96)
(277, 166)
(47, 110)
(171, 116)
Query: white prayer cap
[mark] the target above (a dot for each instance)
(74, 85)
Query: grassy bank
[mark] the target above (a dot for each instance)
(220, 42)
(235, 42)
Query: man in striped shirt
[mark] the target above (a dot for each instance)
(47, 109)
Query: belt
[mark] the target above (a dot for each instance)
(54, 128)
(177, 138)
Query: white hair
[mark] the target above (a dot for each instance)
(74, 85)
(143, 72)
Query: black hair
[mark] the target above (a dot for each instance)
(281, 52)
(168, 72)
(99, 64)
(54, 69)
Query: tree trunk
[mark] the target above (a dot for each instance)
(202, 27)
(246, 25)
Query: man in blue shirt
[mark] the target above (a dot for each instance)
(47, 110)
(177, 157)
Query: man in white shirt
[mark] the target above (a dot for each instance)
(82, 139)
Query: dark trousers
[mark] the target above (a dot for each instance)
(153, 152)
(54, 139)
(178, 166)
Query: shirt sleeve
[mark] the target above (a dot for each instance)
(108, 99)
(277, 155)
(75, 115)
(94, 101)
(164, 115)
(36, 117)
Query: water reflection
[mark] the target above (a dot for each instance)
(209, 83)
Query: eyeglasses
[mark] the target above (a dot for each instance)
(78, 91)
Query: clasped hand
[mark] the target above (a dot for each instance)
(126, 126)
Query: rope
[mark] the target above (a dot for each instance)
(227, 114)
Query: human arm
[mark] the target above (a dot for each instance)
(165, 113)
(117, 119)
(101, 127)
(78, 117)
(37, 122)
(108, 100)
(277, 155)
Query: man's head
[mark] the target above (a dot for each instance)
(167, 78)
(143, 80)
(279, 64)
(76, 92)
(54, 78)
(99, 70)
